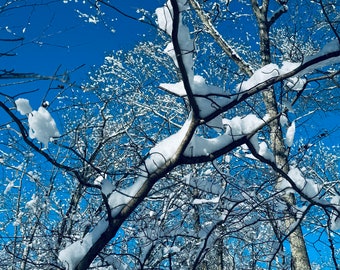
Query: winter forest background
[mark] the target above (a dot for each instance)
(206, 135)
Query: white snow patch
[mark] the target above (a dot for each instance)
(290, 134)
(9, 186)
(208, 97)
(294, 83)
(23, 106)
(164, 17)
(175, 88)
(283, 120)
(106, 187)
(167, 148)
(74, 253)
(121, 197)
(272, 70)
(186, 44)
(261, 75)
(307, 186)
(158, 156)
(42, 126)
(174, 249)
(330, 47)
(242, 125)
(265, 152)
(235, 128)
(335, 217)
(202, 201)
(32, 204)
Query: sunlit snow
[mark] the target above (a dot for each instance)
(272, 70)
(290, 134)
(307, 186)
(41, 124)
(23, 106)
(73, 254)
(335, 217)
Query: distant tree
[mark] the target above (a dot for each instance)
(201, 149)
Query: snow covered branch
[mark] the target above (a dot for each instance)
(122, 202)
(183, 49)
(306, 188)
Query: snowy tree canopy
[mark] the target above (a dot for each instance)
(211, 144)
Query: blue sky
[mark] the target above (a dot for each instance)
(54, 35)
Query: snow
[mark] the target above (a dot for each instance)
(175, 88)
(290, 134)
(169, 250)
(41, 124)
(166, 149)
(335, 217)
(9, 186)
(118, 198)
(283, 120)
(261, 75)
(272, 70)
(330, 47)
(202, 201)
(88, 18)
(265, 152)
(236, 128)
(106, 186)
(243, 125)
(164, 18)
(32, 203)
(307, 186)
(164, 15)
(74, 253)
(294, 83)
(23, 106)
(208, 97)
(17, 220)
(165, 22)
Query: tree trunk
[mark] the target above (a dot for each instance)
(300, 258)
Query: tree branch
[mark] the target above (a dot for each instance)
(178, 52)
(241, 63)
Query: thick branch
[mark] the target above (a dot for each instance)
(126, 211)
(178, 52)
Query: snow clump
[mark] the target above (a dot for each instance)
(23, 106)
(41, 124)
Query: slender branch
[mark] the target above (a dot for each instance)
(277, 14)
(287, 177)
(239, 61)
(24, 135)
(329, 21)
(268, 83)
(106, 3)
